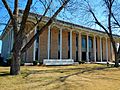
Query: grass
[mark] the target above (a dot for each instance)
(78, 77)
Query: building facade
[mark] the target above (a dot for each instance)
(61, 41)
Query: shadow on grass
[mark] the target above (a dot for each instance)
(50, 71)
(63, 78)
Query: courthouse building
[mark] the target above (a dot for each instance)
(61, 43)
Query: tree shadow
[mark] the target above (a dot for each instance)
(63, 78)
(50, 71)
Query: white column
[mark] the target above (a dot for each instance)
(48, 42)
(87, 48)
(34, 49)
(60, 43)
(80, 46)
(111, 52)
(39, 50)
(12, 39)
(100, 49)
(70, 44)
(9, 47)
(94, 49)
(106, 50)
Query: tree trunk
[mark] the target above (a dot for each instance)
(16, 57)
(15, 64)
(116, 60)
(116, 55)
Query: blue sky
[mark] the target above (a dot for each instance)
(70, 15)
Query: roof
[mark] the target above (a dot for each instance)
(60, 21)
(69, 23)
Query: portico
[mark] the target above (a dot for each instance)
(80, 45)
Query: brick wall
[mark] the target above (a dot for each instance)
(104, 48)
(29, 53)
(64, 44)
(43, 45)
(98, 48)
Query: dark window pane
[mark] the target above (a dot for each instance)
(68, 44)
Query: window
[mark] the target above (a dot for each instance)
(37, 45)
(84, 43)
(90, 42)
(76, 42)
(76, 47)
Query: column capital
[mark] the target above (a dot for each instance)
(71, 30)
(87, 33)
(61, 28)
(80, 32)
(94, 35)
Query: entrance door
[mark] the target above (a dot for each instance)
(83, 56)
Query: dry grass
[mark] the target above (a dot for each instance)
(79, 77)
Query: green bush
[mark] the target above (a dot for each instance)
(22, 63)
(81, 62)
(35, 62)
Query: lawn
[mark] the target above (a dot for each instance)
(77, 77)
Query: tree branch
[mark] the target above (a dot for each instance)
(25, 16)
(44, 27)
(117, 23)
(8, 9)
(97, 22)
(15, 7)
(42, 15)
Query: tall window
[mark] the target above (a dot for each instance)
(68, 44)
(76, 47)
(37, 45)
(90, 42)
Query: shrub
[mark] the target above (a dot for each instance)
(35, 62)
(22, 63)
(81, 62)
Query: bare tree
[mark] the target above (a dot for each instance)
(109, 16)
(18, 33)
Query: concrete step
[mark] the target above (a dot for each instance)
(76, 63)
